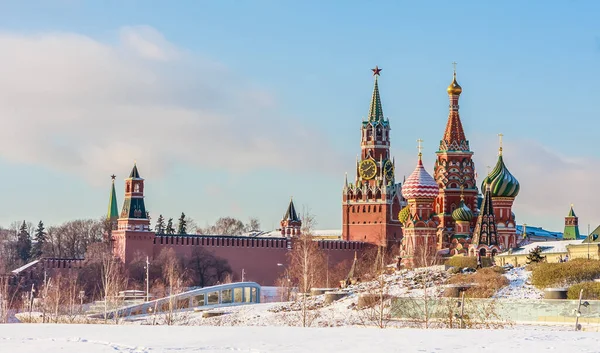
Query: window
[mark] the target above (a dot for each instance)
(226, 296)
(213, 298)
(255, 296)
(247, 295)
(198, 300)
(183, 303)
(237, 295)
(136, 188)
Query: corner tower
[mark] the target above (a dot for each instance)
(371, 204)
(133, 233)
(454, 170)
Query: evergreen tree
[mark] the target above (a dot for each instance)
(535, 255)
(160, 225)
(39, 239)
(170, 230)
(24, 243)
(182, 224)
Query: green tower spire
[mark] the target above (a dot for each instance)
(571, 231)
(113, 210)
(375, 110)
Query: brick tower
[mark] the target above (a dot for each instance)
(133, 235)
(371, 204)
(454, 169)
(420, 228)
(291, 223)
(571, 226)
(504, 188)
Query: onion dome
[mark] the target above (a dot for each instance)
(502, 182)
(462, 213)
(404, 214)
(420, 184)
(454, 88)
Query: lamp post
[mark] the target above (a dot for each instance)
(147, 278)
(589, 241)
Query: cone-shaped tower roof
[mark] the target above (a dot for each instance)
(113, 209)
(290, 214)
(134, 172)
(485, 228)
(375, 109)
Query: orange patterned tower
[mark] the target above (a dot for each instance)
(371, 204)
(454, 170)
(133, 235)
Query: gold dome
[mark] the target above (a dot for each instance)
(454, 88)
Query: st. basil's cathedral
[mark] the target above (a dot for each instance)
(445, 213)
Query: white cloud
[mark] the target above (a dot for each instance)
(79, 105)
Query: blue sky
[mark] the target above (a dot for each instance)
(231, 107)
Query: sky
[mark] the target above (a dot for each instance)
(230, 108)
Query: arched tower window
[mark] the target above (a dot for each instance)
(136, 187)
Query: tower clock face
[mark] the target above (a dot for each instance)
(367, 169)
(388, 169)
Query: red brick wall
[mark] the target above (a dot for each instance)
(258, 257)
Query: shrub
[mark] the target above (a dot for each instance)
(487, 282)
(461, 261)
(565, 273)
(591, 291)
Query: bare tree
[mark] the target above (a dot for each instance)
(306, 263)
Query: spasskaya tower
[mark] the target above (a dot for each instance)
(371, 204)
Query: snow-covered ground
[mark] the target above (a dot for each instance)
(35, 338)
(519, 286)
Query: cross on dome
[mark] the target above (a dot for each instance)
(500, 149)
(454, 66)
(420, 147)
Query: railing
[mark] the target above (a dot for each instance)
(524, 311)
(224, 295)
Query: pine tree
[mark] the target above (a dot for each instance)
(535, 255)
(170, 230)
(24, 243)
(160, 225)
(39, 239)
(182, 224)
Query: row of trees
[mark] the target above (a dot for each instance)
(23, 242)
(223, 226)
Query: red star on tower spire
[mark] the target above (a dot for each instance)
(376, 70)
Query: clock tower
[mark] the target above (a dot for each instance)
(371, 204)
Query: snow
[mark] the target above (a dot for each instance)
(519, 286)
(35, 338)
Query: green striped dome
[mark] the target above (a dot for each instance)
(404, 214)
(462, 213)
(502, 182)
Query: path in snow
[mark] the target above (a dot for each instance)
(519, 287)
